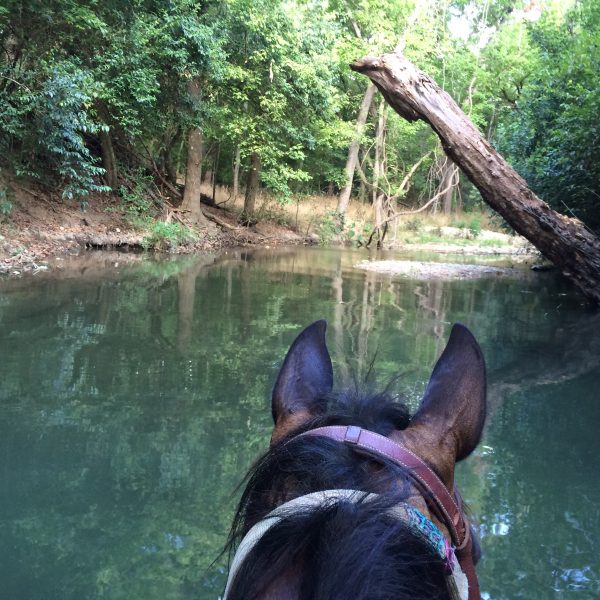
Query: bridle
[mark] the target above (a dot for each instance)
(447, 508)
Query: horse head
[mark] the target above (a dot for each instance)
(355, 498)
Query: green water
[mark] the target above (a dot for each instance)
(133, 398)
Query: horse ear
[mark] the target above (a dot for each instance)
(449, 422)
(305, 376)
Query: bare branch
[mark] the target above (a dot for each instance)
(418, 210)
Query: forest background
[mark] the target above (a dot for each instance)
(147, 99)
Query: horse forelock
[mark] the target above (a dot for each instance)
(342, 551)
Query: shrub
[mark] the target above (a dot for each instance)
(458, 223)
(272, 211)
(356, 233)
(5, 205)
(46, 119)
(415, 224)
(136, 201)
(165, 236)
(330, 226)
(63, 120)
(474, 225)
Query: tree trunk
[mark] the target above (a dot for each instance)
(179, 152)
(378, 172)
(193, 177)
(171, 158)
(193, 171)
(252, 186)
(344, 196)
(215, 171)
(236, 172)
(563, 240)
(448, 183)
(362, 192)
(109, 161)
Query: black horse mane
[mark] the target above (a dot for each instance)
(345, 550)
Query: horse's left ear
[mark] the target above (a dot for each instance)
(305, 377)
(448, 424)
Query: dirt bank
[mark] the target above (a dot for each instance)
(40, 227)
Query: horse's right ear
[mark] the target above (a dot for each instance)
(448, 425)
(305, 376)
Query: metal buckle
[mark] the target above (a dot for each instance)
(352, 434)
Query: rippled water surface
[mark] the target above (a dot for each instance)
(134, 397)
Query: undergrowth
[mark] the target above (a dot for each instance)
(167, 236)
(5, 205)
(137, 205)
(329, 227)
(335, 227)
(141, 212)
(470, 222)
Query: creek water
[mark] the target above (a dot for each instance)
(133, 397)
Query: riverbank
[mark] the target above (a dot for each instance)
(40, 227)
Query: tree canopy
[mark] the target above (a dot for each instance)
(94, 93)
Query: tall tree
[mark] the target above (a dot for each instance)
(365, 105)
(252, 185)
(379, 168)
(193, 170)
(277, 91)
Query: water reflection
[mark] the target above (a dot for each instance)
(134, 397)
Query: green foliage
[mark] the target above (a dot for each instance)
(272, 210)
(274, 82)
(5, 203)
(136, 200)
(553, 138)
(458, 223)
(63, 119)
(51, 124)
(329, 227)
(470, 222)
(167, 236)
(474, 225)
(414, 224)
(357, 234)
(76, 68)
(279, 92)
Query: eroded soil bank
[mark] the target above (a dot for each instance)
(40, 228)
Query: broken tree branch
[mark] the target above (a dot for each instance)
(563, 240)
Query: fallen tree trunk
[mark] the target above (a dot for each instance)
(563, 240)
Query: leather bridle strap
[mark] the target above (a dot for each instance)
(435, 493)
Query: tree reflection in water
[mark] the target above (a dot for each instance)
(134, 398)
